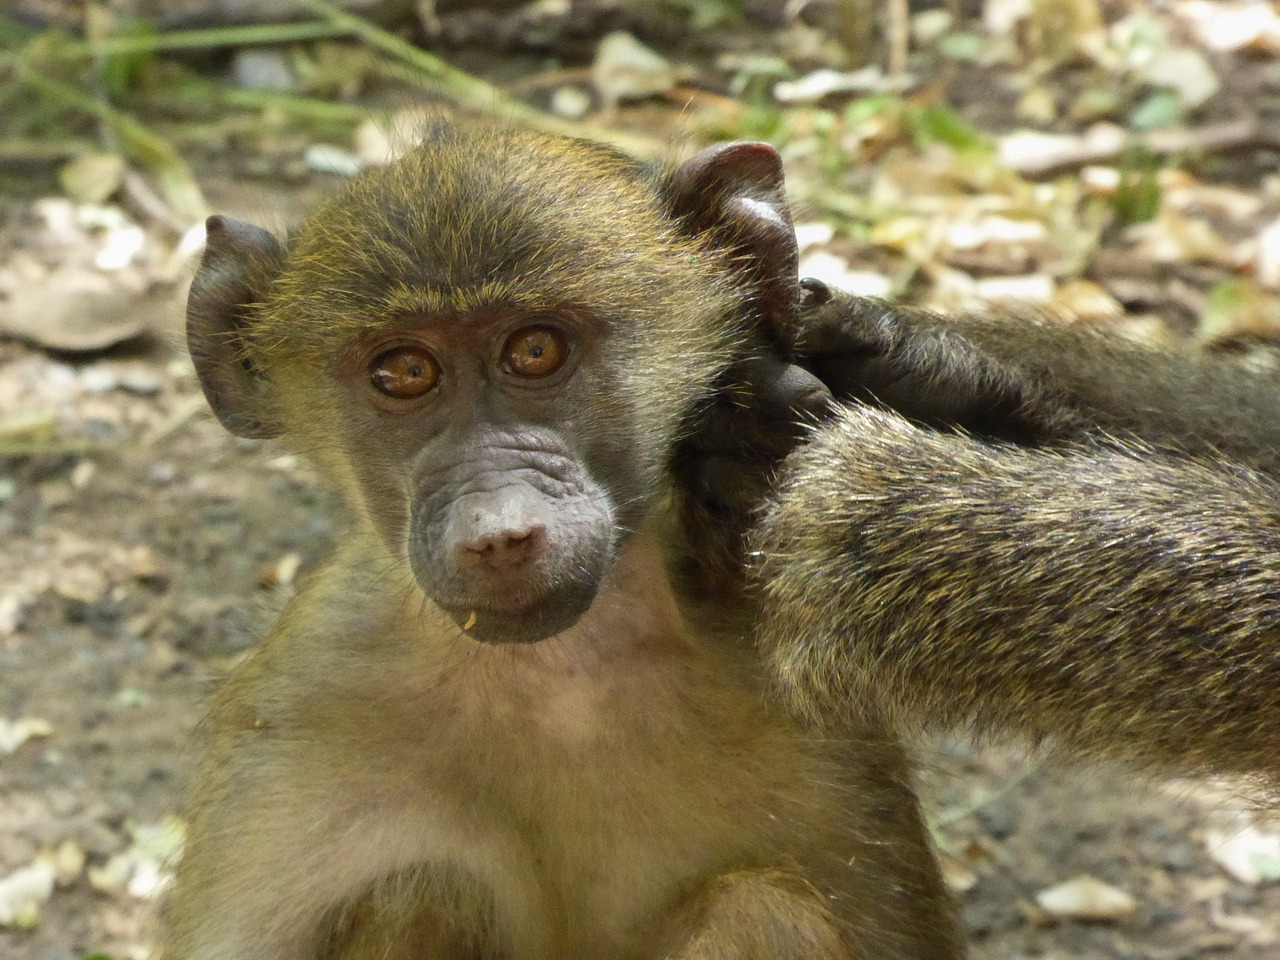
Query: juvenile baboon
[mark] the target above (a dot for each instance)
(497, 724)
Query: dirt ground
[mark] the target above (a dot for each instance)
(140, 562)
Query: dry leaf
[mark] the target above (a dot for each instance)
(1238, 308)
(1267, 257)
(814, 86)
(1232, 26)
(574, 103)
(92, 177)
(971, 234)
(813, 234)
(24, 892)
(1031, 288)
(326, 158)
(1174, 237)
(1086, 898)
(14, 733)
(625, 69)
(12, 611)
(282, 572)
(142, 871)
(1249, 855)
(1240, 923)
(73, 311)
(1086, 301)
(957, 877)
(1003, 16)
(1186, 72)
(67, 861)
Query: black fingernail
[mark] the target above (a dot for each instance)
(813, 293)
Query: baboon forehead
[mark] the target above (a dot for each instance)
(474, 190)
(498, 217)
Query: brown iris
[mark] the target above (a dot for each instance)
(535, 352)
(405, 372)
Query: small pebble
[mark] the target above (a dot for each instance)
(255, 69)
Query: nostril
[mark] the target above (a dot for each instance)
(505, 549)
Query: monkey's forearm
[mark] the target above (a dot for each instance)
(1181, 394)
(1032, 380)
(1116, 600)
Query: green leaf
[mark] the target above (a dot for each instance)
(1137, 196)
(758, 70)
(938, 123)
(120, 72)
(1235, 306)
(860, 111)
(1161, 109)
(963, 46)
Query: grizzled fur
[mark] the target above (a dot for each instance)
(1109, 580)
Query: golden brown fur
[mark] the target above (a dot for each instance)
(378, 784)
(613, 792)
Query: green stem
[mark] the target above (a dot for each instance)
(472, 91)
(469, 89)
(309, 107)
(186, 40)
(210, 39)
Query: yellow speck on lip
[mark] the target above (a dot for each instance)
(471, 621)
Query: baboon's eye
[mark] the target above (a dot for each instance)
(404, 372)
(535, 352)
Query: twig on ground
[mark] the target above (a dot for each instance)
(1220, 138)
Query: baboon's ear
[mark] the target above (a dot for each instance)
(239, 262)
(736, 192)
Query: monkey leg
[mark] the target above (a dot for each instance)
(900, 906)
(1114, 599)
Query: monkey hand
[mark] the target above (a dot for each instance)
(915, 364)
(725, 468)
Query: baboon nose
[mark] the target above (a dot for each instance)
(499, 529)
(504, 549)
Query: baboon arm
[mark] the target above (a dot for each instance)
(265, 864)
(1113, 598)
(724, 468)
(1033, 380)
(1177, 394)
